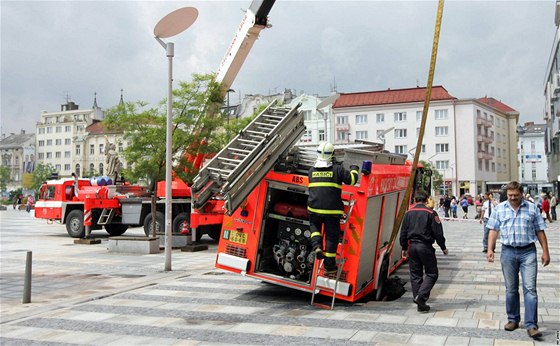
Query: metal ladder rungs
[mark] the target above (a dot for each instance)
(106, 216)
(239, 151)
(275, 117)
(249, 141)
(229, 160)
(214, 169)
(259, 133)
(265, 124)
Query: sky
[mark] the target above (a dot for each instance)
(53, 51)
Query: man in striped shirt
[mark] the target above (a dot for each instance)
(519, 224)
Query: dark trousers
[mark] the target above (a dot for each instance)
(332, 233)
(422, 259)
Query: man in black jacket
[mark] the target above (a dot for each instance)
(325, 205)
(421, 227)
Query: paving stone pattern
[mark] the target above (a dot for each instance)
(83, 295)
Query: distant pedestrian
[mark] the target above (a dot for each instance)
(553, 204)
(519, 225)
(30, 203)
(420, 228)
(545, 207)
(465, 206)
(446, 205)
(487, 207)
(453, 206)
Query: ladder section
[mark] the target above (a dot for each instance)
(106, 216)
(244, 161)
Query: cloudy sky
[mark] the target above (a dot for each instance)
(54, 50)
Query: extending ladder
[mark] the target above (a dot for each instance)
(234, 172)
(339, 265)
(106, 216)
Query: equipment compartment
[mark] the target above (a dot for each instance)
(284, 244)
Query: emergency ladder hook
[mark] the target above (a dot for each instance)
(339, 264)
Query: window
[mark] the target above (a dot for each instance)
(100, 169)
(49, 155)
(486, 165)
(361, 135)
(41, 156)
(49, 129)
(57, 167)
(400, 133)
(78, 150)
(480, 164)
(321, 138)
(41, 143)
(400, 116)
(418, 115)
(361, 119)
(417, 132)
(441, 130)
(533, 145)
(341, 135)
(77, 169)
(80, 128)
(58, 129)
(58, 142)
(67, 154)
(307, 115)
(101, 150)
(492, 119)
(121, 145)
(49, 142)
(41, 130)
(494, 168)
(442, 148)
(67, 141)
(92, 149)
(441, 114)
(423, 148)
(443, 164)
(342, 120)
(380, 118)
(58, 155)
(67, 167)
(67, 128)
(91, 168)
(499, 151)
(400, 149)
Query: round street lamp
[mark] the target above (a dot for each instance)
(172, 24)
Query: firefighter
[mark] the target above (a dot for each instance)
(325, 203)
(421, 227)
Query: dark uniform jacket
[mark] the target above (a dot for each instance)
(421, 224)
(325, 189)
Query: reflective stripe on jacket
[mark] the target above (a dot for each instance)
(325, 189)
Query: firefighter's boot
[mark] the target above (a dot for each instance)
(330, 263)
(316, 244)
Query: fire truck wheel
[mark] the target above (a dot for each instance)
(178, 222)
(160, 223)
(380, 292)
(75, 224)
(116, 229)
(215, 232)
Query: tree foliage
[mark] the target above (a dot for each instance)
(41, 173)
(437, 178)
(4, 178)
(196, 116)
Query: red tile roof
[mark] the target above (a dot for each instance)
(389, 96)
(96, 128)
(492, 102)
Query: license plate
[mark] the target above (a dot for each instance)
(238, 237)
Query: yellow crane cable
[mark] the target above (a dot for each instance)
(406, 199)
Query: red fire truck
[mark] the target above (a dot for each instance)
(266, 231)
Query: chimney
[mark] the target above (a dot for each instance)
(69, 106)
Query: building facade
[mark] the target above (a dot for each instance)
(462, 138)
(552, 108)
(18, 154)
(533, 166)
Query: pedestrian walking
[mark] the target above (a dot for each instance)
(454, 207)
(420, 228)
(325, 203)
(487, 207)
(30, 203)
(465, 206)
(553, 204)
(447, 205)
(545, 207)
(519, 225)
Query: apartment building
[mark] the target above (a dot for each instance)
(533, 167)
(552, 108)
(462, 138)
(18, 154)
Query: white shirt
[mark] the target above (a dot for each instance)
(486, 214)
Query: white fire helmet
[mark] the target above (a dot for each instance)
(325, 153)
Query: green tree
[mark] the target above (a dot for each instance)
(4, 178)
(195, 115)
(41, 173)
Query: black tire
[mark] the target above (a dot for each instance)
(384, 274)
(116, 229)
(160, 223)
(75, 224)
(178, 222)
(215, 232)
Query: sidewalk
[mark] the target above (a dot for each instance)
(126, 300)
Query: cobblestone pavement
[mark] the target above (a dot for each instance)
(84, 295)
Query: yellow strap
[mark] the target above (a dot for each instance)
(325, 211)
(315, 234)
(329, 254)
(354, 174)
(338, 186)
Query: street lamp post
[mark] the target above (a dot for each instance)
(172, 24)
